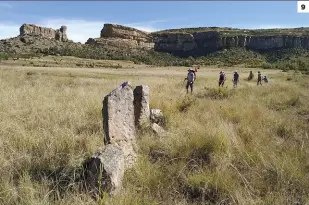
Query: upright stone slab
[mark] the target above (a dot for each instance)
(104, 171)
(141, 106)
(119, 122)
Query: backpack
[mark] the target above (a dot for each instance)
(191, 76)
(236, 76)
(222, 77)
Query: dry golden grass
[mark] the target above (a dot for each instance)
(226, 146)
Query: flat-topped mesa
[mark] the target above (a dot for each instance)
(124, 32)
(31, 29)
(122, 37)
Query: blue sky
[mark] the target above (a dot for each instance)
(85, 19)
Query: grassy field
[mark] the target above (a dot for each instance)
(226, 146)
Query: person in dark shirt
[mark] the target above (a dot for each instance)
(221, 78)
(265, 79)
(236, 78)
(259, 82)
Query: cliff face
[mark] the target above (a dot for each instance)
(49, 33)
(124, 32)
(181, 42)
(123, 37)
(201, 43)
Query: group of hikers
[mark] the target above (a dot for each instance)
(191, 77)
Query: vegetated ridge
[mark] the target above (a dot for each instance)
(223, 46)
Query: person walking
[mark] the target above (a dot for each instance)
(222, 78)
(250, 77)
(235, 79)
(259, 82)
(190, 80)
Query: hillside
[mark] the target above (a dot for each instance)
(275, 48)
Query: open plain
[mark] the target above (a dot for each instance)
(247, 145)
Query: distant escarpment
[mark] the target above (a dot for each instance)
(207, 45)
(123, 37)
(197, 42)
(202, 41)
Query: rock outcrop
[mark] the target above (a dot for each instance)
(122, 37)
(120, 43)
(180, 42)
(158, 130)
(49, 33)
(141, 106)
(156, 116)
(157, 121)
(124, 32)
(202, 43)
(119, 122)
(104, 170)
(124, 111)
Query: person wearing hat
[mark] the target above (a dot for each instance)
(259, 82)
(236, 78)
(190, 79)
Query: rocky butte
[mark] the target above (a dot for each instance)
(31, 29)
(123, 37)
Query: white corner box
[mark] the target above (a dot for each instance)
(302, 6)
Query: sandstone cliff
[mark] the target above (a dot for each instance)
(201, 43)
(49, 33)
(124, 32)
(123, 37)
(180, 42)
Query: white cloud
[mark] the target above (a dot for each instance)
(8, 30)
(78, 30)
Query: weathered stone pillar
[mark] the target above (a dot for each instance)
(141, 106)
(119, 122)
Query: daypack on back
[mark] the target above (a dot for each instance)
(236, 76)
(191, 76)
(222, 76)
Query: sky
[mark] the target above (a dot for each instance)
(85, 19)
